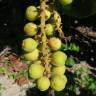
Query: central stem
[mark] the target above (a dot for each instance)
(45, 53)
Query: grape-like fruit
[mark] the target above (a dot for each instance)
(29, 44)
(32, 56)
(47, 14)
(30, 29)
(58, 70)
(31, 13)
(43, 83)
(49, 29)
(55, 43)
(65, 2)
(58, 82)
(36, 70)
(58, 58)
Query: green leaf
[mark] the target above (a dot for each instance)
(80, 8)
(70, 62)
(74, 47)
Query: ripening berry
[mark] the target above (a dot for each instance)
(31, 13)
(29, 44)
(43, 83)
(58, 82)
(32, 56)
(47, 14)
(49, 29)
(36, 70)
(65, 2)
(55, 43)
(58, 70)
(30, 29)
(58, 58)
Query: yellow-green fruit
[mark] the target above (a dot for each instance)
(29, 44)
(58, 70)
(36, 70)
(49, 29)
(65, 2)
(47, 14)
(32, 56)
(30, 29)
(31, 13)
(55, 43)
(58, 58)
(43, 83)
(58, 82)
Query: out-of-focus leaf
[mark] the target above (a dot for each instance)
(74, 47)
(70, 62)
(70, 47)
(80, 8)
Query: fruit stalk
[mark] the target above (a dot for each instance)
(45, 53)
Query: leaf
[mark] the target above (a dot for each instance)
(80, 8)
(70, 62)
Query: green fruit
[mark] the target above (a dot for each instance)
(55, 43)
(59, 58)
(36, 70)
(49, 29)
(58, 70)
(65, 2)
(47, 14)
(30, 29)
(31, 13)
(29, 44)
(32, 56)
(43, 83)
(58, 82)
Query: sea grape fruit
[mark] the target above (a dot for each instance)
(49, 29)
(31, 13)
(65, 2)
(47, 14)
(58, 58)
(43, 83)
(58, 70)
(30, 29)
(29, 44)
(36, 70)
(55, 43)
(58, 82)
(32, 56)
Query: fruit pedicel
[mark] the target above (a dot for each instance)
(48, 62)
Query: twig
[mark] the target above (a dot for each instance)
(5, 50)
(85, 31)
(51, 92)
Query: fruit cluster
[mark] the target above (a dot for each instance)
(33, 46)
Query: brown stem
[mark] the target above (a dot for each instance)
(51, 92)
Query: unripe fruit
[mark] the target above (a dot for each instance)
(49, 29)
(43, 83)
(58, 82)
(58, 58)
(31, 13)
(65, 2)
(30, 29)
(32, 56)
(55, 43)
(36, 70)
(58, 70)
(47, 14)
(29, 44)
